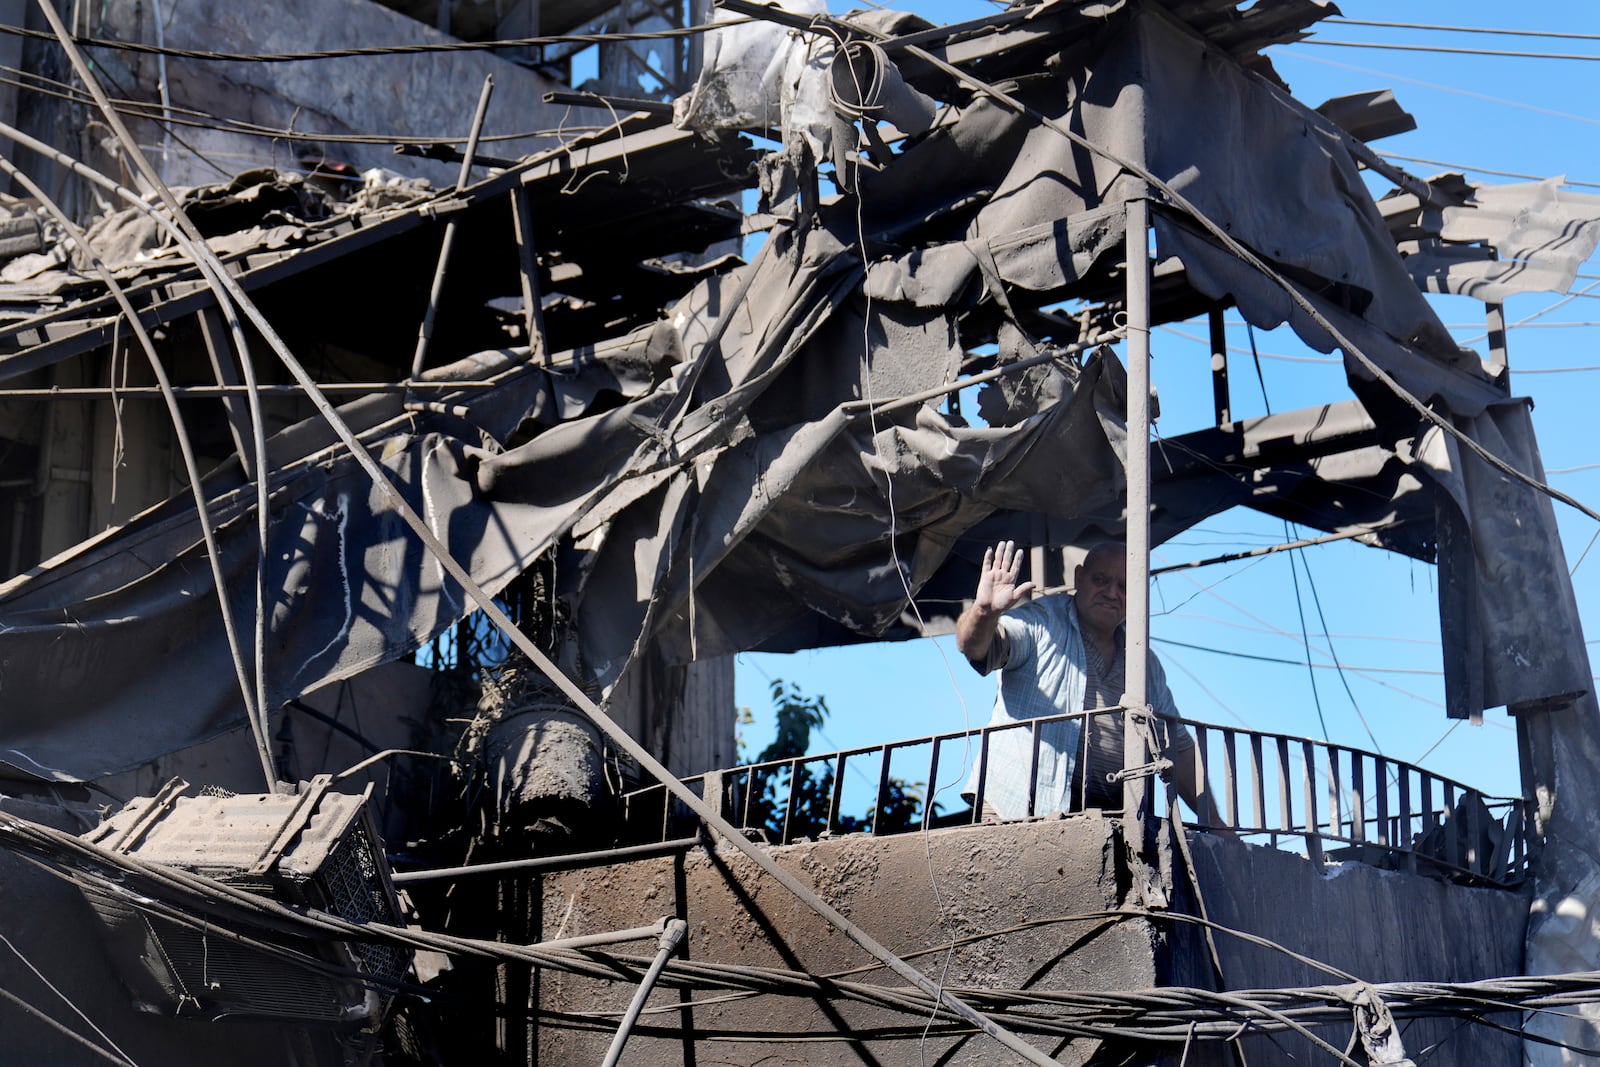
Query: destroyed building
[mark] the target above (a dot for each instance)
(379, 528)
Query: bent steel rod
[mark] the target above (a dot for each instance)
(197, 249)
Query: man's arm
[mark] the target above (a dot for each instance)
(998, 592)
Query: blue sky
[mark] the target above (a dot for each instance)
(1532, 116)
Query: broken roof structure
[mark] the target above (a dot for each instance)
(702, 455)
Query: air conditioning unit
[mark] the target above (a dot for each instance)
(316, 849)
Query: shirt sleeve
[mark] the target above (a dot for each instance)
(1013, 642)
(998, 655)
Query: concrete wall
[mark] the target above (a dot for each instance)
(428, 95)
(1381, 926)
(988, 878)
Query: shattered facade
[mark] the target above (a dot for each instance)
(537, 402)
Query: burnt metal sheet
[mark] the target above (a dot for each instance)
(1503, 587)
(114, 652)
(1504, 239)
(1279, 179)
(1368, 116)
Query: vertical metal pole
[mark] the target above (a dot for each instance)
(1135, 789)
(528, 258)
(1219, 369)
(425, 333)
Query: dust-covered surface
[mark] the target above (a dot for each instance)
(989, 879)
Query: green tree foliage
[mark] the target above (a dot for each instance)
(797, 716)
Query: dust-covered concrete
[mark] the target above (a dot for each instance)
(988, 879)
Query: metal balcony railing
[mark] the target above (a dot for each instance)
(1321, 800)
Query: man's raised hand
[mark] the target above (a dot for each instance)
(998, 590)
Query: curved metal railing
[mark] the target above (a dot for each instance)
(1324, 801)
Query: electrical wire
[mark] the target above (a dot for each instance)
(1552, 34)
(168, 131)
(1311, 674)
(1167, 327)
(1449, 50)
(1334, 655)
(255, 714)
(1385, 638)
(26, 962)
(1584, 554)
(1298, 662)
(1211, 590)
(1485, 170)
(229, 912)
(1442, 88)
(376, 50)
(64, 1030)
(1429, 750)
(1168, 1014)
(1541, 313)
(1250, 331)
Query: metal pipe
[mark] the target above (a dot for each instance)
(425, 333)
(1137, 656)
(670, 937)
(660, 928)
(551, 863)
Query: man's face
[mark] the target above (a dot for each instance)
(1102, 591)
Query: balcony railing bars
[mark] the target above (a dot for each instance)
(1323, 800)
